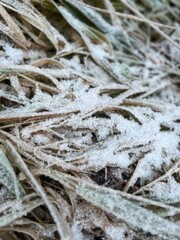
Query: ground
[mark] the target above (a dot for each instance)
(89, 120)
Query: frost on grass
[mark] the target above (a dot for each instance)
(92, 108)
(167, 191)
(11, 55)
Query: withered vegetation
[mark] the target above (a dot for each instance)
(89, 119)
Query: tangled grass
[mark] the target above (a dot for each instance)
(89, 114)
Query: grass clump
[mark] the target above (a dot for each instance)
(89, 114)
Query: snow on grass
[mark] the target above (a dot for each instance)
(167, 191)
(100, 110)
(12, 55)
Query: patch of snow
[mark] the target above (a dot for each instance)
(13, 55)
(167, 191)
(118, 232)
(77, 232)
(41, 139)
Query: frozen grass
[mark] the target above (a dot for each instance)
(89, 120)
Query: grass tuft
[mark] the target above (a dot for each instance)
(89, 120)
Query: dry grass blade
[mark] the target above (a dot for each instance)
(133, 8)
(8, 177)
(124, 15)
(18, 117)
(84, 31)
(140, 218)
(16, 209)
(31, 15)
(15, 31)
(62, 227)
(113, 203)
(29, 69)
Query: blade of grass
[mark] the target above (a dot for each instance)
(135, 10)
(124, 15)
(16, 33)
(31, 15)
(140, 218)
(8, 176)
(18, 209)
(62, 226)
